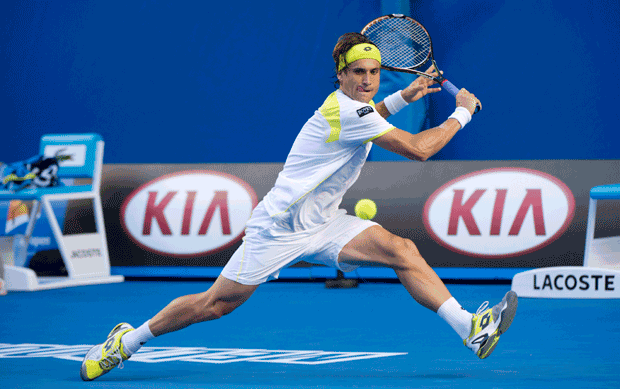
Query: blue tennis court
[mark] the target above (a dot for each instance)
(302, 335)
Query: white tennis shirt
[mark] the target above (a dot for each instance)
(325, 160)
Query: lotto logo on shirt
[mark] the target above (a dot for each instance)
(502, 212)
(365, 111)
(190, 213)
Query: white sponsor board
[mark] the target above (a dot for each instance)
(195, 354)
(568, 282)
(500, 212)
(85, 255)
(189, 213)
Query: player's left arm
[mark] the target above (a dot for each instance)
(420, 146)
(419, 88)
(425, 144)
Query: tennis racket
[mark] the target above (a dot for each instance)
(405, 46)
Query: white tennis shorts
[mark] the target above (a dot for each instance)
(268, 246)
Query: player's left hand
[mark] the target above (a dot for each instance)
(421, 87)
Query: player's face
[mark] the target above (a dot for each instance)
(360, 80)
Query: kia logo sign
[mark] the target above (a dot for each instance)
(188, 214)
(502, 212)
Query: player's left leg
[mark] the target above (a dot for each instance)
(480, 332)
(377, 246)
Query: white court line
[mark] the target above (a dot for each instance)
(195, 354)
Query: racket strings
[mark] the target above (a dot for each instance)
(402, 43)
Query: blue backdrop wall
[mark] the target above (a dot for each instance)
(192, 81)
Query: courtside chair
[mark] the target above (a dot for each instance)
(601, 252)
(85, 254)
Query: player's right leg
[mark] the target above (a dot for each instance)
(102, 358)
(260, 258)
(223, 297)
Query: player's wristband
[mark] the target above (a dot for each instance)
(462, 115)
(395, 102)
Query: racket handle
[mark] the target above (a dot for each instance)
(447, 85)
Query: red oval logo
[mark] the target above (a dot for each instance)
(188, 214)
(501, 212)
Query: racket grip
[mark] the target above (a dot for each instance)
(447, 85)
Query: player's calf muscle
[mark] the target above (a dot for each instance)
(218, 309)
(185, 311)
(204, 309)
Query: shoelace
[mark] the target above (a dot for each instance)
(482, 308)
(108, 363)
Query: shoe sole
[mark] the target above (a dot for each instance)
(507, 316)
(509, 313)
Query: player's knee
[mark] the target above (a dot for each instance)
(404, 253)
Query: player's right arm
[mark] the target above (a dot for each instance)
(419, 88)
(423, 145)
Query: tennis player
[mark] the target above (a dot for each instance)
(299, 218)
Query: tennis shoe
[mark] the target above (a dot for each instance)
(489, 323)
(104, 357)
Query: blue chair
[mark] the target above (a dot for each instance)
(85, 254)
(601, 252)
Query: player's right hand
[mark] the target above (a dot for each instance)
(421, 86)
(467, 100)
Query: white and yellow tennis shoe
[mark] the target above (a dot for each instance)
(489, 323)
(104, 357)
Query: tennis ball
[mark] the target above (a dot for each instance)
(366, 209)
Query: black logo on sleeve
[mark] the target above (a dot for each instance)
(365, 111)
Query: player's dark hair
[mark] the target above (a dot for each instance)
(344, 44)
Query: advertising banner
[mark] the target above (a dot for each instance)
(14, 216)
(460, 214)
